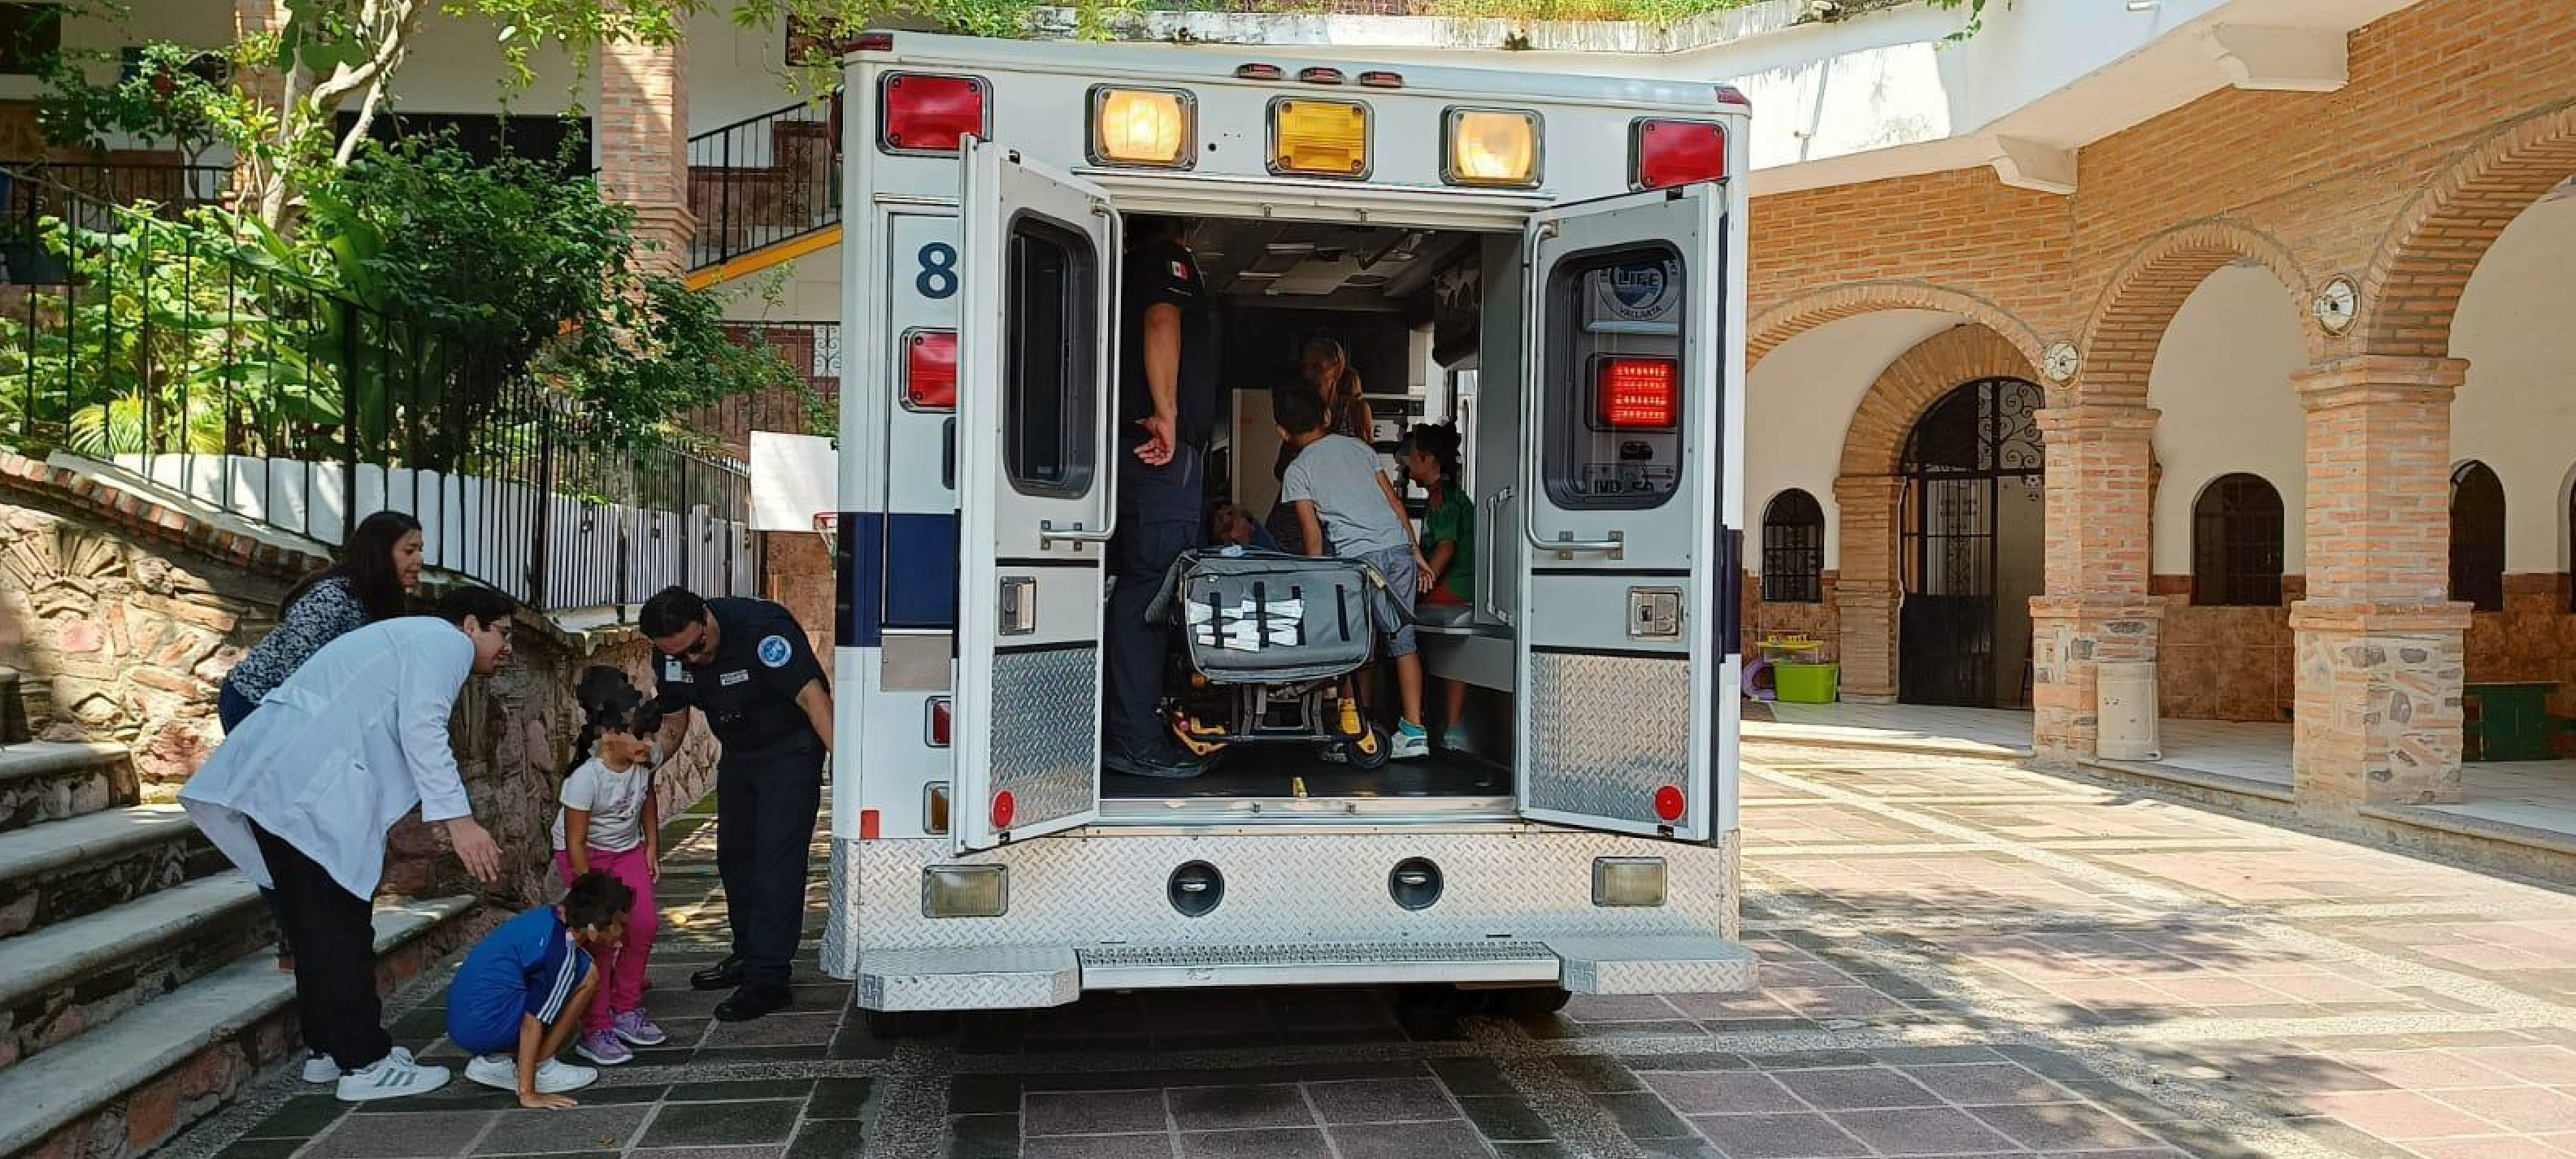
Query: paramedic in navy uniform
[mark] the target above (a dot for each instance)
(746, 665)
(1166, 405)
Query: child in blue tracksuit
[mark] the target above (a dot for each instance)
(520, 995)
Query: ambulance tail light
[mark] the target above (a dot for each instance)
(936, 730)
(927, 113)
(1637, 393)
(930, 370)
(1662, 154)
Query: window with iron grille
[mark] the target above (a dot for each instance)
(2477, 537)
(1793, 549)
(2236, 543)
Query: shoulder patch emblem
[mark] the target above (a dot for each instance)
(775, 652)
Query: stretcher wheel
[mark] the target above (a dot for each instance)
(1367, 752)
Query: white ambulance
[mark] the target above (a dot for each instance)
(1555, 263)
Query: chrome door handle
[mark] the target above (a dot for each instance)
(1047, 534)
(1566, 546)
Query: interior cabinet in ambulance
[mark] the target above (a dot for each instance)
(1553, 263)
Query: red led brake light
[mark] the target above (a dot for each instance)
(927, 114)
(930, 369)
(1668, 153)
(1637, 393)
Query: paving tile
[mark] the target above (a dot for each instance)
(1986, 1084)
(1466, 1077)
(844, 1099)
(1453, 1139)
(1793, 1135)
(2062, 1126)
(984, 1137)
(2526, 1109)
(710, 1153)
(583, 1128)
(1380, 1101)
(1922, 1131)
(1239, 1107)
(1306, 1143)
(722, 1124)
(1154, 1146)
(1093, 1112)
(301, 1117)
(1723, 1094)
(424, 1133)
(2400, 1115)
(1502, 1118)
(274, 1149)
(1856, 1087)
(776, 1030)
(1642, 1116)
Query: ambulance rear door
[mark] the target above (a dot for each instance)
(1623, 569)
(1035, 366)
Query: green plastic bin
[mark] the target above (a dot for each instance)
(1807, 683)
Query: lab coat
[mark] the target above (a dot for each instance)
(341, 751)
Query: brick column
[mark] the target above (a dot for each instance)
(2378, 640)
(643, 127)
(2097, 607)
(1869, 587)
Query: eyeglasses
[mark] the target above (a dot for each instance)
(700, 647)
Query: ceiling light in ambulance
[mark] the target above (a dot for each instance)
(1141, 127)
(922, 113)
(1491, 147)
(1637, 393)
(1667, 153)
(930, 370)
(1319, 138)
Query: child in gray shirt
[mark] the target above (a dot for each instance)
(1345, 508)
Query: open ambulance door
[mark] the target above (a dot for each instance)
(1035, 389)
(1623, 572)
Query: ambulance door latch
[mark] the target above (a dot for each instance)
(1019, 606)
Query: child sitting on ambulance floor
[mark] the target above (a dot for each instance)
(523, 989)
(608, 824)
(1346, 508)
(1229, 525)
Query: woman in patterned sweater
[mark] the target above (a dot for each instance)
(373, 581)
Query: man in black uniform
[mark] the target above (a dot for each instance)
(1166, 403)
(746, 664)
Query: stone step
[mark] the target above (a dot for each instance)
(75, 976)
(49, 781)
(61, 870)
(184, 1055)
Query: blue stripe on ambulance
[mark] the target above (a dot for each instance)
(897, 570)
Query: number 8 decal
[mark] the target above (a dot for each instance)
(938, 277)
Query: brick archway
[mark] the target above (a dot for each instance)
(2140, 301)
(1783, 321)
(2411, 292)
(1868, 492)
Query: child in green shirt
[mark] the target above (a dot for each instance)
(1448, 545)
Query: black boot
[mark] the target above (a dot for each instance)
(723, 975)
(752, 1000)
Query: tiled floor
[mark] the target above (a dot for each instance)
(1960, 958)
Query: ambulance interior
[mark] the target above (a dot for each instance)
(1410, 307)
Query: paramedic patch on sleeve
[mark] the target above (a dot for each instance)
(774, 651)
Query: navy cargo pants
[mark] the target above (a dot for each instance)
(768, 800)
(1159, 517)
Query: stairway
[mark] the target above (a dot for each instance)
(763, 190)
(138, 984)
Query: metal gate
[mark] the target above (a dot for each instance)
(1956, 460)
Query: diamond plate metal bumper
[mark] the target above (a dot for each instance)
(1089, 910)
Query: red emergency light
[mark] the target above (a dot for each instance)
(1320, 75)
(924, 113)
(1637, 393)
(1662, 154)
(940, 712)
(1258, 72)
(1381, 79)
(930, 369)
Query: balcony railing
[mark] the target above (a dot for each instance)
(763, 180)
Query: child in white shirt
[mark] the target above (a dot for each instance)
(609, 823)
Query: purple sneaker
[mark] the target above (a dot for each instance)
(638, 1030)
(602, 1047)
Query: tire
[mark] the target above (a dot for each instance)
(1368, 753)
(1529, 1001)
(891, 1025)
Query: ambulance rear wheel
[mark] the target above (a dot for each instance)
(1529, 1001)
(1368, 751)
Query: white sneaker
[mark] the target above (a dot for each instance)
(553, 1078)
(1409, 743)
(318, 1068)
(392, 1077)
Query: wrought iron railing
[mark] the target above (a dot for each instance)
(763, 180)
(813, 351)
(171, 355)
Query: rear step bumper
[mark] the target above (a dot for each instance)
(1008, 977)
